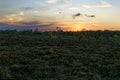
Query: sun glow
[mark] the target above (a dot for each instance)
(77, 27)
(71, 26)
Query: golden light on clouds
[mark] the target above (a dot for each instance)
(18, 17)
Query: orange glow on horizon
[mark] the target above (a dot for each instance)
(72, 26)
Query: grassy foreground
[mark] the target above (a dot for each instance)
(90, 55)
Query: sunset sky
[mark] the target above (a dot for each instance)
(49, 14)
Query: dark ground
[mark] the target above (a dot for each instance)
(90, 55)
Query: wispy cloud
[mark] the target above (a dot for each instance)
(73, 8)
(102, 4)
(60, 2)
(13, 17)
(52, 1)
(65, 2)
(27, 8)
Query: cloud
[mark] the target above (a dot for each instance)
(32, 25)
(45, 7)
(92, 16)
(21, 13)
(27, 8)
(76, 15)
(35, 11)
(65, 2)
(61, 2)
(73, 8)
(52, 1)
(13, 17)
(41, 7)
(35, 23)
(102, 4)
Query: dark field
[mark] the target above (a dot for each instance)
(90, 55)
